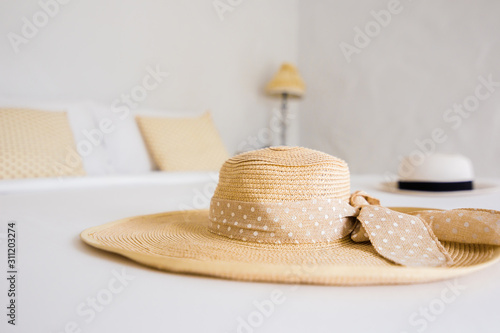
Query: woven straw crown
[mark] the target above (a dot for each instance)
(281, 174)
(277, 195)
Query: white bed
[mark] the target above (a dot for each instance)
(58, 275)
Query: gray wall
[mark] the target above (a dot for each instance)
(218, 58)
(373, 105)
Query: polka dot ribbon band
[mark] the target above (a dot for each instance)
(406, 239)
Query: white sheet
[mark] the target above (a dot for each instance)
(75, 183)
(59, 275)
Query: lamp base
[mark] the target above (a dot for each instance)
(284, 111)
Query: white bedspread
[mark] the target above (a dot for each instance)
(67, 286)
(75, 183)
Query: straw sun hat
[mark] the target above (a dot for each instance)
(285, 214)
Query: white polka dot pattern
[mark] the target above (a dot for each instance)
(406, 239)
(396, 238)
(466, 225)
(401, 238)
(358, 199)
(282, 222)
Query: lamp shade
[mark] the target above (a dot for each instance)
(286, 81)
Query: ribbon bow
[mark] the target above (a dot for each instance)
(413, 239)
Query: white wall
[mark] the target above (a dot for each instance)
(368, 111)
(397, 88)
(100, 49)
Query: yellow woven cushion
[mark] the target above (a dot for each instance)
(183, 144)
(35, 144)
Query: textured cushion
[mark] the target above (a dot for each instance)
(183, 144)
(82, 120)
(36, 144)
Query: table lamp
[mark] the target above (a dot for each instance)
(286, 83)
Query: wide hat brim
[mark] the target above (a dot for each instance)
(181, 242)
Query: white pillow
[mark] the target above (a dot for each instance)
(124, 143)
(83, 125)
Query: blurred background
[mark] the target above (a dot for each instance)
(383, 78)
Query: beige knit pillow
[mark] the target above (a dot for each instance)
(35, 144)
(183, 144)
